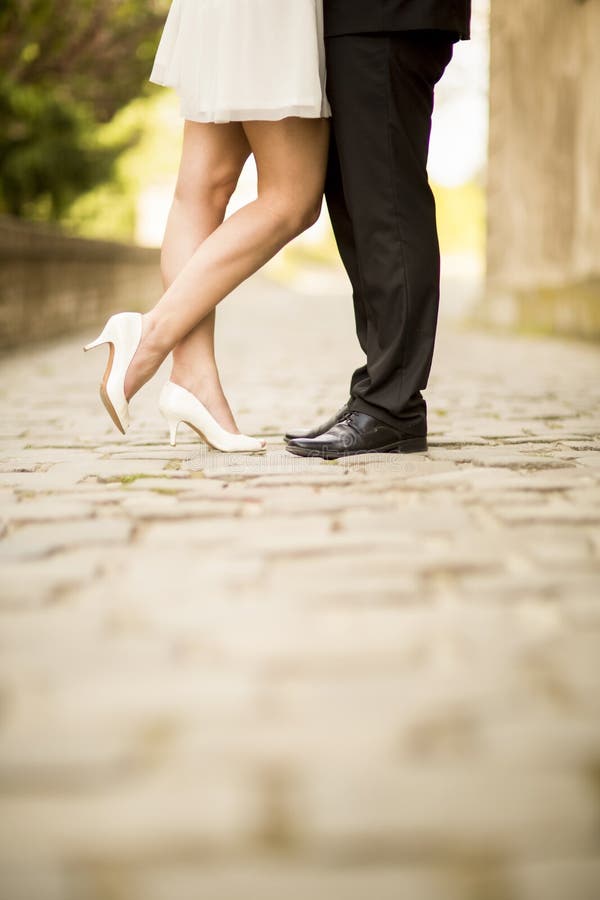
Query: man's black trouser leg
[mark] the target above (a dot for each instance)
(383, 213)
(344, 235)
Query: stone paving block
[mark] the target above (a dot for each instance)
(342, 575)
(437, 439)
(41, 539)
(550, 741)
(517, 587)
(116, 469)
(207, 572)
(469, 476)
(421, 518)
(138, 817)
(584, 495)
(572, 668)
(75, 753)
(154, 452)
(499, 457)
(321, 479)
(329, 637)
(197, 535)
(555, 510)
(455, 812)
(35, 581)
(268, 879)
(577, 878)
(392, 464)
(297, 501)
(49, 641)
(145, 483)
(37, 481)
(415, 705)
(582, 609)
(44, 508)
(548, 481)
(170, 503)
(42, 882)
(508, 499)
(555, 547)
(48, 455)
(586, 458)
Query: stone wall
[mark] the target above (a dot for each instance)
(544, 165)
(52, 284)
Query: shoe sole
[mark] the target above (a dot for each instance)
(409, 445)
(206, 441)
(104, 393)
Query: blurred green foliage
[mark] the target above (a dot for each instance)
(461, 215)
(66, 67)
(111, 209)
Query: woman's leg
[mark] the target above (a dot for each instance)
(291, 157)
(212, 159)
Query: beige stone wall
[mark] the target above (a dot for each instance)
(52, 284)
(544, 163)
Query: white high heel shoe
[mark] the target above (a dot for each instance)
(123, 332)
(177, 404)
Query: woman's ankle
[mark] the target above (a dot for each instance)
(194, 380)
(208, 390)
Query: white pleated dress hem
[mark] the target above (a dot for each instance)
(244, 60)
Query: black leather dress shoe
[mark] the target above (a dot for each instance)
(356, 433)
(320, 429)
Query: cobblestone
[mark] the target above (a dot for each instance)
(268, 677)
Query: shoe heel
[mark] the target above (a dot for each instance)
(99, 340)
(102, 338)
(412, 445)
(173, 426)
(123, 332)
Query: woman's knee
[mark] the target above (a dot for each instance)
(214, 187)
(292, 215)
(311, 212)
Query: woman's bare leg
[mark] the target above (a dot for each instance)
(212, 159)
(291, 157)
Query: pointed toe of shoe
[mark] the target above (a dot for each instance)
(295, 433)
(247, 444)
(303, 446)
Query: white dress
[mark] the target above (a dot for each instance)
(244, 60)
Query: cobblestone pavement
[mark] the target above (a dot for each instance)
(229, 677)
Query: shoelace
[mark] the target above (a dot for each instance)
(348, 420)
